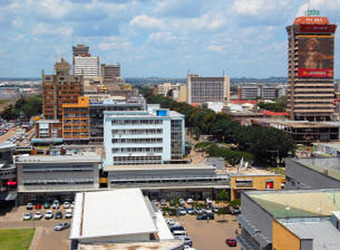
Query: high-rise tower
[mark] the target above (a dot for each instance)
(310, 68)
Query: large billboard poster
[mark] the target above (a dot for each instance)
(316, 55)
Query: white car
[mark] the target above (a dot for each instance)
(72, 204)
(181, 202)
(27, 216)
(182, 211)
(68, 214)
(208, 201)
(190, 201)
(67, 205)
(49, 215)
(38, 215)
(56, 204)
(170, 222)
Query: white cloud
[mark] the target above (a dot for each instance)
(17, 22)
(324, 5)
(147, 22)
(258, 7)
(44, 29)
(114, 43)
(161, 38)
(215, 48)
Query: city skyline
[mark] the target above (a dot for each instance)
(155, 38)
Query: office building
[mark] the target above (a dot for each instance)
(119, 219)
(207, 89)
(101, 103)
(262, 91)
(76, 121)
(86, 66)
(47, 132)
(81, 50)
(42, 178)
(59, 89)
(154, 136)
(306, 173)
(290, 219)
(8, 175)
(110, 72)
(311, 68)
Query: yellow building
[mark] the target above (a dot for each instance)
(263, 181)
(76, 120)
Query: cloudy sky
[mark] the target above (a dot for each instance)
(165, 38)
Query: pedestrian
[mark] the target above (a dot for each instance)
(236, 232)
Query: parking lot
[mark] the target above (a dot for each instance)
(45, 237)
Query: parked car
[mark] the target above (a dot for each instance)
(176, 227)
(38, 215)
(189, 248)
(27, 216)
(231, 242)
(190, 201)
(181, 202)
(205, 217)
(68, 214)
(182, 211)
(29, 206)
(190, 211)
(58, 215)
(170, 222)
(215, 209)
(208, 201)
(55, 204)
(72, 204)
(49, 215)
(62, 226)
(163, 202)
(47, 205)
(198, 211)
(38, 206)
(235, 210)
(187, 240)
(179, 233)
(67, 205)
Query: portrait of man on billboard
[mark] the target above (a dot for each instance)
(316, 56)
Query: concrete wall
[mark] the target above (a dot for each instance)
(258, 216)
(283, 238)
(300, 176)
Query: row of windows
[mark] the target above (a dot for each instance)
(75, 115)
(179, 179)
(136, 131)
(53, 168)
(75, 127)
(131, 150)
(57, 182)
(76, 133)
(145, 140)
(136, 122)
(75, 121)
(122, 160)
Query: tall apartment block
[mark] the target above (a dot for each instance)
(81, 50)
(86, 66)
(155, 136)
(76, 121)
(310, 68)
(59, 89)
(264, 91)
(110, 72)
(207, 89)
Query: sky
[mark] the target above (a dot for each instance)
(155, 38)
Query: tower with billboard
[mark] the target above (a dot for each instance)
(311, 68)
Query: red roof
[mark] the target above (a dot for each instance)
(311, 20)
(271, 113)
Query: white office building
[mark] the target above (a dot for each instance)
(154, 136)
(88, 65)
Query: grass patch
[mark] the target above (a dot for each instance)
(16, 239)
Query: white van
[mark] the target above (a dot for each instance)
(178, 233)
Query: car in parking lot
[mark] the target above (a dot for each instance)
(231, 242)
(205, 217)
(182, 211)
(47, 205)
(186, 239)
(163, 202)
(61, 226)
(55, 204)
(49, 215)
(208, 201)
(66, 205)
(176, 227)
(190, 200)
(235, 210)
(68, 214)
(181, 202)
(215, 209)
(29, 206)
(38, 206)
(72, 204)
(27, 216)
(58, 215)
(190, 211)
(170, 222)
(179, 233)
(199, 211)
(38, 215)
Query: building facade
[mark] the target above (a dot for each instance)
(76, 120)
(154, 136)
(48, 131)
(87, 66)
(207, 89)
(42, 178)
(80, 50)
(311, 68)
(59, 89)
(7, 167)
(110, 72)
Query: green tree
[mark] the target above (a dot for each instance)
(223, 197)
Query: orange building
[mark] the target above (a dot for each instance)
(76, 120)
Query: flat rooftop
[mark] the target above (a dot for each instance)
(161, 245)
(297, 203)
(158, 167)
(75, 158)
(249, 171)
(323, 233)
(111, 213)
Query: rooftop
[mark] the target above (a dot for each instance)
(323, 233)
(113, 213)
(249, 171)
(75, 158)
(7, 145)
(297, 203)
(158, 167)
(162, 245)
